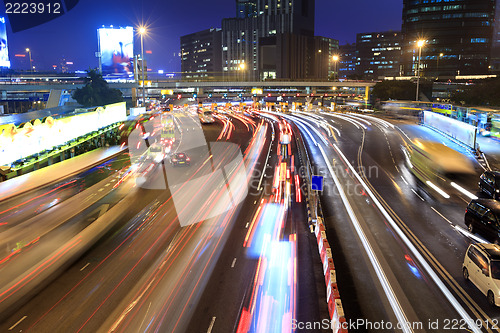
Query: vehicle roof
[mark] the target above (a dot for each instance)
(492, 250)
(495, 174)
(492, 204)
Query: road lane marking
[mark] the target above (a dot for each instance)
(418, 195)
(20, 320)
(379, 271)
(234, 262)
(447, 293)
(246, 226)
(434, 209)
(211, 325)
(81, 269)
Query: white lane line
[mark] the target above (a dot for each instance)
(255, 202)
(211, 325)
(438, 190)
(379, 271)
(20, 320)
(234, 262)
(404, 180)
(265, 164)
(99, 190)
(246, 227)
(464, 191)
(418, 195)
(81, 269)
(468, 234)
(449, 296)
(434, 209)
(107, 184)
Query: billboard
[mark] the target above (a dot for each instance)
(4, 51)
(116, 46)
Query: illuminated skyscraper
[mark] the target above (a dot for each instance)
(272, 23)
(458, 36)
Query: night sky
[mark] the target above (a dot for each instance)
(74, 34)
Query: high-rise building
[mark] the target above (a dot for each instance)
(378, 54)
(457, 36)
(348, 57)
(270, 21)
(333, 51)
(201, 54)
(246, 8)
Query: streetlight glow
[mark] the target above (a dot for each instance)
(335, 58)
(420, 43)
(242, 66)
(142, 32)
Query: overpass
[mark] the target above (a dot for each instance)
(35, 88)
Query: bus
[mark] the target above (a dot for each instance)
(437, 163)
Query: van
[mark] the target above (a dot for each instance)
(489, 184)
(483, 216)
(482, 267)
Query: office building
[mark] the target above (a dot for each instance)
(458, 36)
(201, 54)
(263, 32)
(378, 54)
(348, 57)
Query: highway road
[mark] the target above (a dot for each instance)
(223, 245)
(392, 235)
(150, 269)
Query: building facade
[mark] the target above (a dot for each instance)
(201, 55)
(378, 54)
(259, 24)
(457, 35)
(348, 57)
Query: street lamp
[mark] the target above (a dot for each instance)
(439, 57)
(242, 66)
(142, 31)
(29, 54)
(420, 44)
(335, 59)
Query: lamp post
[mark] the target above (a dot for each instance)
(420, 44)
(242, 68)
(335, 59)
(29, 54)
(439, 57)
(142, 31)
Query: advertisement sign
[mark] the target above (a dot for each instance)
(116, 46)
(4, 51)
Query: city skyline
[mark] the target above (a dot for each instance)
(165, 30)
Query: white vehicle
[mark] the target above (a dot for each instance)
(207, 117)
(156, 153)
(482, 267)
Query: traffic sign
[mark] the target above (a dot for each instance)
(317, 183)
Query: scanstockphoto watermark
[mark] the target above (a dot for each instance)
(360, 324)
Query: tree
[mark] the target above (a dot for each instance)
(393, 89)
(484, 93)
(96, 91)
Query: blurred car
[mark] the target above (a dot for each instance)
(489, 184)
(482, 267)
(483, 216)
(180, 159)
